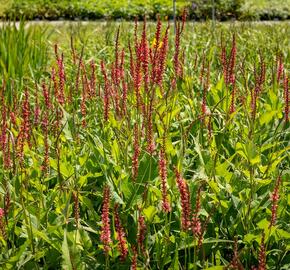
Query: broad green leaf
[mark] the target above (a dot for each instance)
(263, 224)
(250, 237)
(150, 212)
(66, 265)
(283, 234)
(267, 117)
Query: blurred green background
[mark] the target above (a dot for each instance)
(129, 9)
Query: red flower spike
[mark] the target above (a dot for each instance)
(24, 133)
(59, 86)
(275, 199)
(232, 61)
(76, 207)
(106, 91)
(262, 254)
(132, 64)
(163, 176)
(134, 259)
(196, 224)
(83, 103)
(2, 224)
(235, 261)
(162, 59)
(37, 110)
(232, 107)
(185, 201)
(122, 243)
(124, 84)
(280, 68)
(141, 232)
(145, 57)
(93, 78)
(105, 230)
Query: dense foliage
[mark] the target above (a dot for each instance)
(129, 147)
(114, 9)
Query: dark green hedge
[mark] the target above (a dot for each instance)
(129, 9)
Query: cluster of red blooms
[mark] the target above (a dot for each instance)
(124, 83)
(150, 139)
(120, 233)
(196, 224)
(135, 68)
(185, 201)
(134, 259)
(83, 108)
(229, 64)
(259, 78)
(59, 91)
(88, 88)
(178, 68)
(229, 70)
(262, 254)
(105, 231)
(147, 67)
(116, 77)
(106, 91)
(37, 110)
(40, 115)
(92, 85)
(122, 244)
(280, 67)
(4, 139)
(144, 57)
(163, 175)
(45, 124)
(7, 199)
(24, 134)
(2, 225)
(205, 83)
(141, 232)
(235, 261)
(115, 85)
(75, 197)
(187, 222)
(275, 199)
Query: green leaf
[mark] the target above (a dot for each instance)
(115, 150)
(174, 265)
(283, 234)
(267, 117)
(172, 238)
(150, 212)
(263, 224)
(44, 237)
(249, 152)
(66, 265)
(252, 153)
(250, 237)
(148, 169)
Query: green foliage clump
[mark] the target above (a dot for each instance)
(84, 116)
